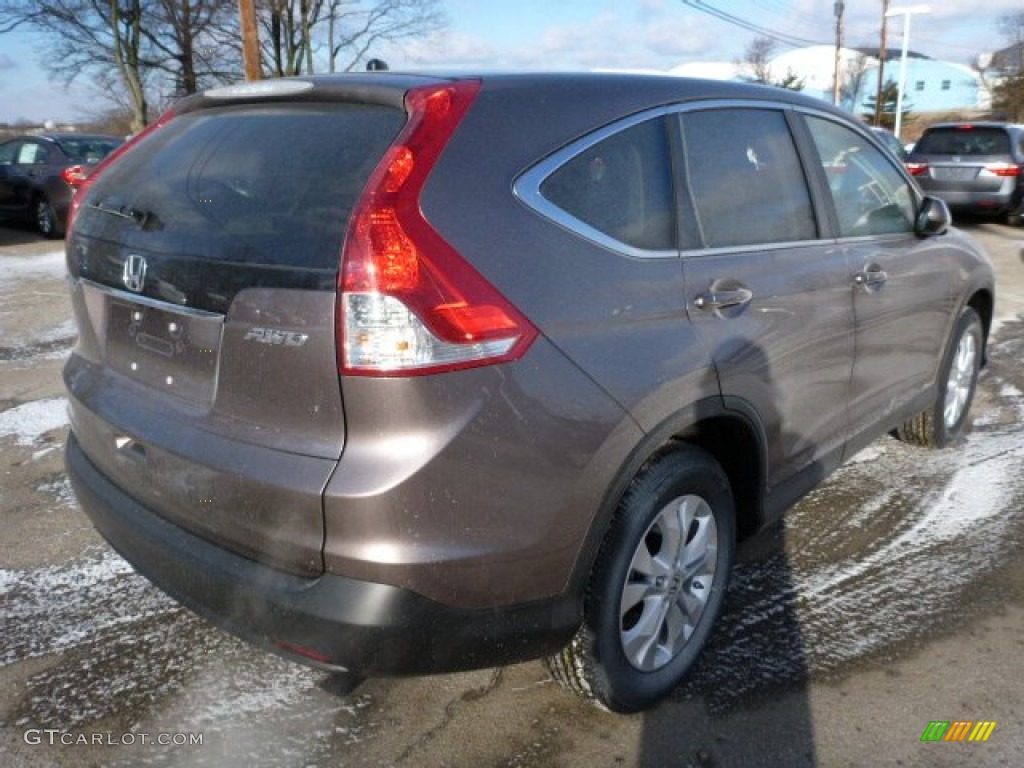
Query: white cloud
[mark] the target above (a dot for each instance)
(655, 36)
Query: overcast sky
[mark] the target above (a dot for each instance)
(575, 34)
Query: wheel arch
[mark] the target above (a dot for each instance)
(733, 438)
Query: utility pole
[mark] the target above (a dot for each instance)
(881, 64)
(250, 40)
(839, 7)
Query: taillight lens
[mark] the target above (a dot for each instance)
(408, 302)
(89, 178)
(917, 169)
(1003, 169)
(75, 174)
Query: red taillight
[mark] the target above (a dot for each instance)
(917, 169)
(75, 174)
(409, 303)
(90, 177)
(1003, 169)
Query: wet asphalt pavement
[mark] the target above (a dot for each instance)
(892, 596)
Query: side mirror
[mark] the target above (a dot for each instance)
(933, 218)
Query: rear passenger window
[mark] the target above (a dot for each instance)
(745, 176)
(871, 197)
(622, 187)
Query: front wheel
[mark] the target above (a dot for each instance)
(657, 587)
(943, 422)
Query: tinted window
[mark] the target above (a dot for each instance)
(8, 152)
(271, 185)
(964, 141)
(622, 187)
(746, 179)
(871, 197)
(88, 150)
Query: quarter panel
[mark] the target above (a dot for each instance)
(475, 488)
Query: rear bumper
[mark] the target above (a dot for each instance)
(996, 201)
(341, 623)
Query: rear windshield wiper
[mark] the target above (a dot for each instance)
(140, 217)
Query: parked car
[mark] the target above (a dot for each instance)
(39, 175)
(891, 142)
(488, 368)
(974, 167)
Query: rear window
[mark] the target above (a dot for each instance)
(964, 141)
(267, 185)
(89, 150)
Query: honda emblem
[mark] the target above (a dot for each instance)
(134, 274)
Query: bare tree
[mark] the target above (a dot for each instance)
(756, 61)
(756, 64)
(294, 30)
(286, 33)
(354, 28)
(130, 48)
(1008, 89)
(195, 42)
(92, 36)
(852, 82)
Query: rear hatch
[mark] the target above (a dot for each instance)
(204, 265)
(968, 158)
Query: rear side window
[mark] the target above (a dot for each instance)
(745, 176)
(964, 141)
(88, 150)
(622, 187)
(269, 185)
(32, 153)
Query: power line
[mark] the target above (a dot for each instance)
(781, 37)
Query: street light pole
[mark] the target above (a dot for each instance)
(906, 13)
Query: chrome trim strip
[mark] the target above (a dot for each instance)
(146, 301)
(527, 188)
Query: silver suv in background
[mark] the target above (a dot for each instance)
(396, 373)
(975, 167)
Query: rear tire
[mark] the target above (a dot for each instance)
(657, 587)
(45, 218)
(946, 420)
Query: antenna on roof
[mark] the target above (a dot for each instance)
(376, 65)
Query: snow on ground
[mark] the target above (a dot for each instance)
(892, 546)
(28, 422)
(49, 264)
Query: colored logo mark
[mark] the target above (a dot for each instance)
(958, 730)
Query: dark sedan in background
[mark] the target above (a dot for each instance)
(39, 174)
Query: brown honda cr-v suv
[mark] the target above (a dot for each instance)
(400, 374)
